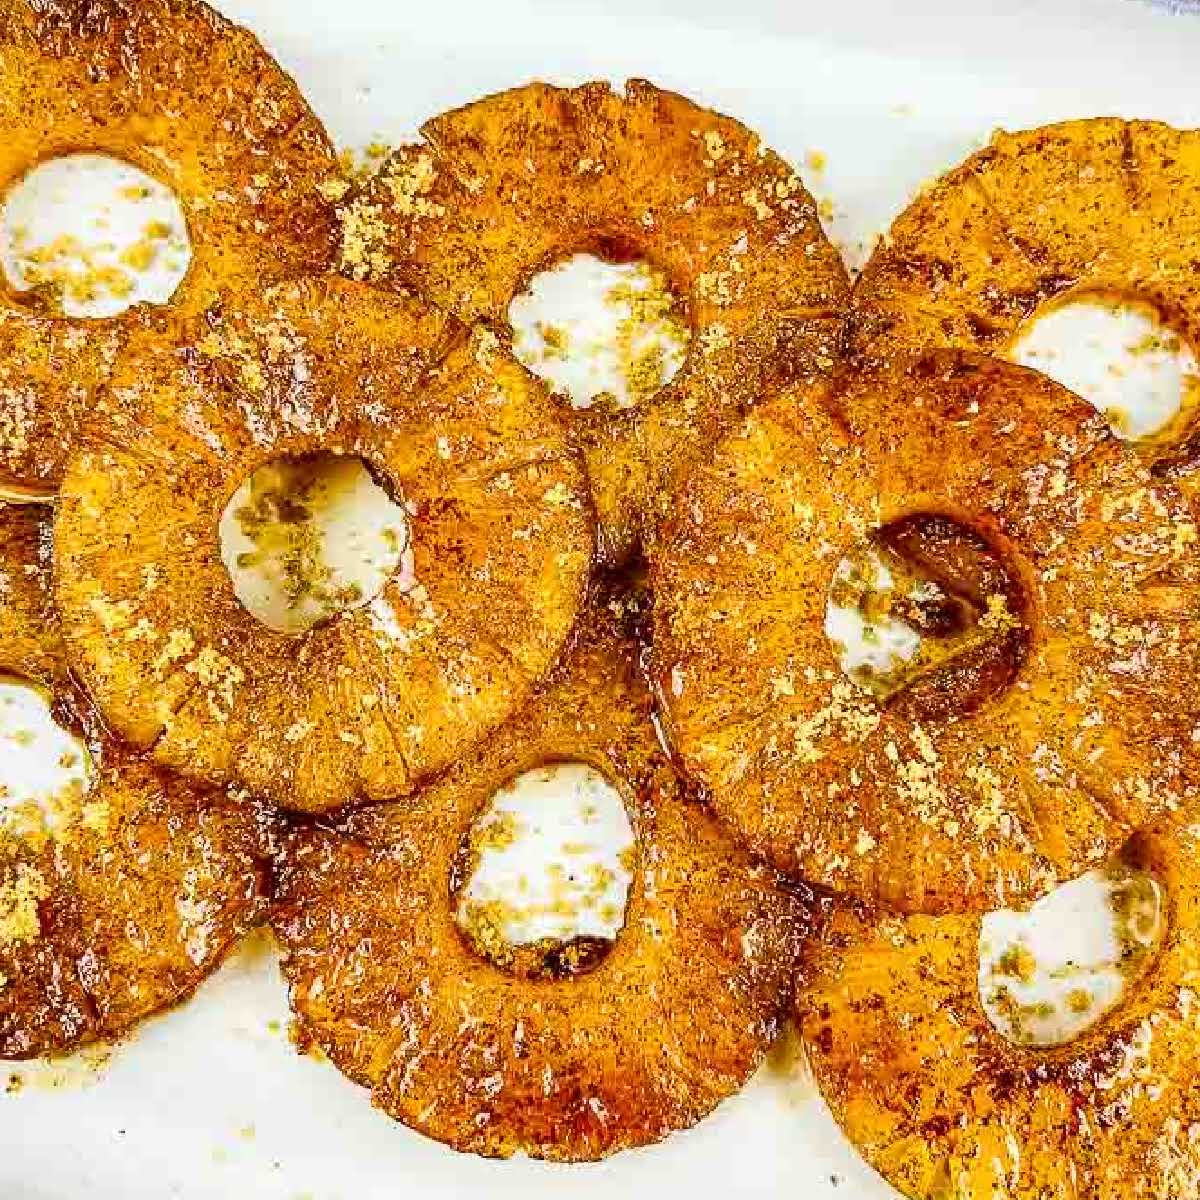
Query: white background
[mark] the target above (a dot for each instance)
(211, 1101)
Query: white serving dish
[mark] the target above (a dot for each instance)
(211, 1101)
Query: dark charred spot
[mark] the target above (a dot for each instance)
(937, 1127)
(984, 330)
(1182, 461)
(972, 655)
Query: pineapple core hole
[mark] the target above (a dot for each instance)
(1122, 358)
(599, 332)
(1048, 975)
(306, 539)
(543, 875)
(46, 771)
(94, 236)
(920, 593)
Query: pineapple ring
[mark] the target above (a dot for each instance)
(942, 1105)
(670, 1021)
(191, 99)
(128, 896)
(507, 186)
(934, 799)
(1099, 207)
(370, 702)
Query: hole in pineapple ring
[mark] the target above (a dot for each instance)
(46, 771)
(543, 876)
(1119, 355)
(94, 234)
(1048, 975)
(306, 539)
(600, 332)
(917, 593)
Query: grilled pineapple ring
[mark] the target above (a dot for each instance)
(938, 798)
(1095, 205)
(942, 1105)
(1100, 207)
(670, 1022)
(117, 901)
(506, 186)
(179, 92)
(370, 702)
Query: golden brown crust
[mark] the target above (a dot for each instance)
(977, 804)
(49, 375)
(943, 1105)
(178, 91)
(26, 608)
(381, 696)
(138, 889)
(504, 187)
(669, 1023)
